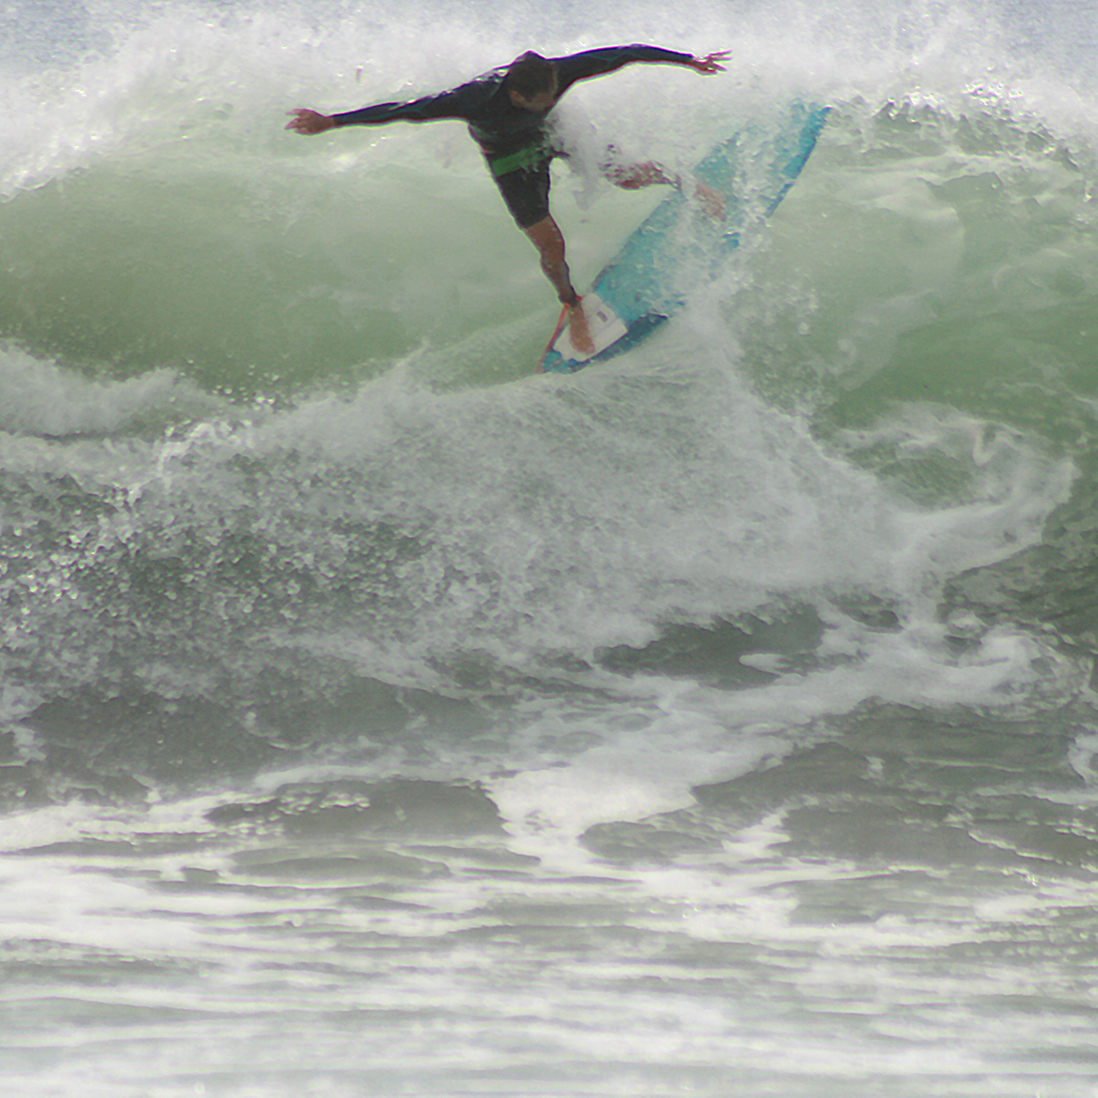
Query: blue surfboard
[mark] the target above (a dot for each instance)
(680, 246)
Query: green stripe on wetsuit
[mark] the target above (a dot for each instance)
(529, 157)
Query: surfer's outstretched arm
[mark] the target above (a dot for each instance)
(457, 103)
(599, 62)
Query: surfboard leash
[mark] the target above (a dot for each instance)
(553, 338)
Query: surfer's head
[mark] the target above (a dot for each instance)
(531, 82)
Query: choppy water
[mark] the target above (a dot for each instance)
(381, 718)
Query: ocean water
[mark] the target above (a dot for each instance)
(378, 717)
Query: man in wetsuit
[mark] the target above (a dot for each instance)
(506, 110)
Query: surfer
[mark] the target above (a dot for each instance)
(506, 110)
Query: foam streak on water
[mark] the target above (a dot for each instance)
(378, 717)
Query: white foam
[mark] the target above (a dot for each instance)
(157, 76)
(40, 397)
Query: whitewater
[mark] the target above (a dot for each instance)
(380, 717)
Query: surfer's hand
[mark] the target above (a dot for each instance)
(308, 122)
(710, 63)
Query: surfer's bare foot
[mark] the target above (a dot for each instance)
(578, 331)
(709, 201)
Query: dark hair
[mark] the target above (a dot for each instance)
(530, 74)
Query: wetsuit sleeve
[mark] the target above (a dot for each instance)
(449, 104)
(582, 66)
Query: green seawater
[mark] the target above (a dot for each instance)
(380, 717)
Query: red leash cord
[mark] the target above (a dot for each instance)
(556, 332)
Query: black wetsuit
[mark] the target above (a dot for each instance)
(513, 139)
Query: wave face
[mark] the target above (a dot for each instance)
(379, 717)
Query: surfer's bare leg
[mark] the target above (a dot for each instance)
(632, 177)
(549, 242)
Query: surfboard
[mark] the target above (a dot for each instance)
(680, 246)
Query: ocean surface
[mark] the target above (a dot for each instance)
(379, 717)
